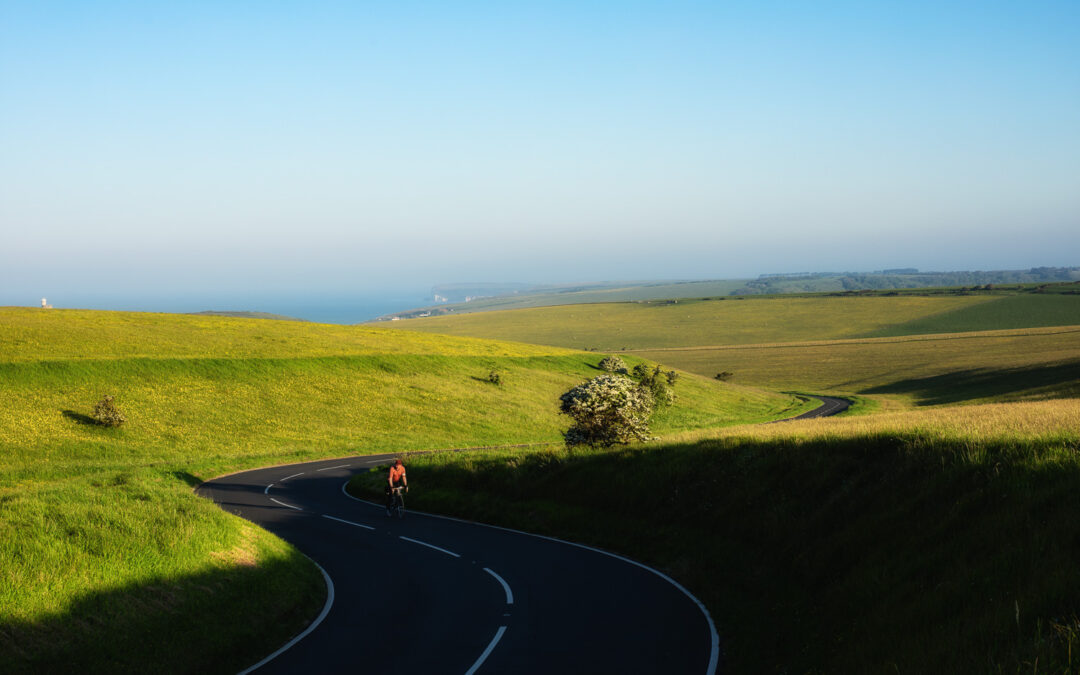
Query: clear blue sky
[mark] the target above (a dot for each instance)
(340, 146)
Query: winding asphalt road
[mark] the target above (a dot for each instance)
(430, 594)
(427, 594)
(830, 405)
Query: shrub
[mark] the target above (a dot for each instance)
(724, 376)
(657, 382)
(613, 364)
(494, 377)
(606, 410)
(107, 414)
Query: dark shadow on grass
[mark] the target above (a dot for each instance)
(219, 620)
(1059, 380)
(191, 480)
(816, 556)
(79, 418)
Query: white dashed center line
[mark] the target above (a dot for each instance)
(286, 505)
(339, 466)
(506, 586)
(487, 652)
(349, 522)
(423, 543)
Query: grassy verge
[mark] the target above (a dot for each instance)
(936, 541)
(109, 561)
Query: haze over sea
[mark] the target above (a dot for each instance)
(321, 307)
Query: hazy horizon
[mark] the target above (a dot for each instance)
(337, 306)
(249, 150)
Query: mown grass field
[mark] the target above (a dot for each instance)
(107, 558)
(923, 541)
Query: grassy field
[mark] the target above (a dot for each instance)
(819, 343)
(108, 560)
(949, 283)
(923, 370)
(926, 541)
(1010, 311)
(690, 323)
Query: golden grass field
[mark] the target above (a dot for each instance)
(1044, 422)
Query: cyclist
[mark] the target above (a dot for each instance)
(396, 479)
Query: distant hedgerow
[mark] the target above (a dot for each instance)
(107, 414)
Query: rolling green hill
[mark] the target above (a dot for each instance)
(1010, 311)
(518, 296)
(108, 560)
(689, 323)
(932, 349)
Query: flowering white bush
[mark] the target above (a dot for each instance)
(613, 364)
(606, 410)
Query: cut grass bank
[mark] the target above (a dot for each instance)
(108, 560)
(936, 541)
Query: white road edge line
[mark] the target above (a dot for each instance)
(506, 586)
(339, 466)
(714, 654)
(314, 624)
(286, 505)
(349, 522)
(487, 652)
(292, 476)
(267, 490)
(424, 543)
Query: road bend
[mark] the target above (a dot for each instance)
(429, 594)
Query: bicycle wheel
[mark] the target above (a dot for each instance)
(400, 505)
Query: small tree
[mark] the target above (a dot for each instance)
(107, 414)
(613, 364)
(495, 377)
(657, 382)
(606, 410)
(724, 376)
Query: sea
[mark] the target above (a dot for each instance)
(320, 307)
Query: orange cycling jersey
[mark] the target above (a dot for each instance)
(396, 474)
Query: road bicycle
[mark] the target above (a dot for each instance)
(397, 502)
